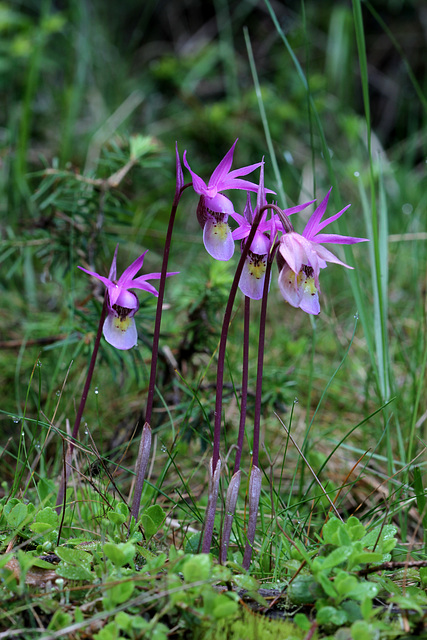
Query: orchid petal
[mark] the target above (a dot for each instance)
(292, 251)
(223, 168)
(325, 223)
(337, 239)
(145, 286)
(260, 197)
(313, 222)
(243, 171)
(328, 256)
(122, 334)
(237, 183)
(113, 269)
(126, 299)
(179, 173)
(241, 232)
(219, 204)
(297, 208)
(131, 271)
(103, 279)
(288, 287)
(218, 240)
(199, 185)
(310, 303)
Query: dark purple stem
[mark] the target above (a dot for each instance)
(75, 433)
(155, 349)
(223, 340)
(210, 511)
(245, 371)
(260, 365)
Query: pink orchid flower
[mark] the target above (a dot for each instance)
(301, 257)
(119, 327)
(214, 207)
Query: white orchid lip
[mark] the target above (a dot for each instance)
(119, 326)
(218, 239)
(251, 281)
(120, 331)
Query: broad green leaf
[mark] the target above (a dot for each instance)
(302, 621)
(73, 572)
(330, 530)
(17, 515)
(49, 516)
(120, 554)
(119, 593)
(327, 585)
(362, 630)
(41, 527)
(116, 518)
(60, 620)
(197, 568)
(224, 606)
(331, 615)
(192, 543)
(122, 508)
(335, 558)
(150, 528)
(375, 536)
(156, 513)
(74, 556)
(304, 590)
(355, 529)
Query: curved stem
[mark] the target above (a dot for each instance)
(245, 372)
(140, 468)
(75, 432)
(223, 340)
(260, 365)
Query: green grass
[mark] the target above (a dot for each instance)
(93, 104)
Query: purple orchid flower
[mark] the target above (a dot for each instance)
(253, 275)
(214, 207)
(119, 327)
(300, 258)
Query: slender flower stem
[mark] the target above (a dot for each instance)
(213, 490)
(230, 509)
(245, 372)
(75, 432)
(223, 339)
(233, 487)
(260, 365)
(140, 470)
(210, 510)
(253, 494)
(255, 478)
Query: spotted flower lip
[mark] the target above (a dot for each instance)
(302, 257)
(119, 327)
